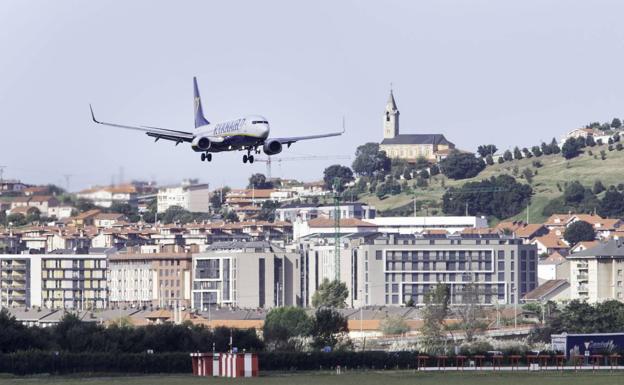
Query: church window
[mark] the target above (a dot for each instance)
(387, 116)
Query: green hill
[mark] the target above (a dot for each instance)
(555, 170)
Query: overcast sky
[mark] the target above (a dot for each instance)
(503, 72)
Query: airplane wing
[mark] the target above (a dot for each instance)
(290, 140)
(154, 132)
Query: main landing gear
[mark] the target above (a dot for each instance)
(206, 156)
(248, 158)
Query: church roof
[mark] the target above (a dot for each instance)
(391, 103)
(417, 139)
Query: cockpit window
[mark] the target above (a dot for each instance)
(259, 122)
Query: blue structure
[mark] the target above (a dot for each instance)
(594, 343)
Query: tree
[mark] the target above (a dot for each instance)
(393, 325)
(330, 294)
(489, 160)
(461, 165)
(612, 205)
(486, 149)
(369, 160)
(16, 219)
(528, 175)
(343, 174)
(267, 211)
(283, 324)
(570, 148)
(434, 314)
(579, 231)
(231, 216)
(517, 153)
(616, 123)
(32, 215)
(434, 170)
(501, 196)
(589, 141)
(537, 151)
(259, 181)
(470, 311)
(574, 193)
(598, 187)
(507, 156)
(176, 214)
(554, 147)
(217, 198)
(546, 149)
(526, 153)
(328, 326)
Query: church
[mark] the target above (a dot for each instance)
(433, 147)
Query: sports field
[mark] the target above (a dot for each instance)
(360, 378)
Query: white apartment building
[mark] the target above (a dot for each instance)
(305, 212)
(74, 281)
(412, 225)
(20, 280)
(392, 269)
(246, 275)
(106, 196)
(597, 274)
(61, 279)
(192, 197)
(157, 278)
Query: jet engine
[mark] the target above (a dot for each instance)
(272, 147)
(201, 143)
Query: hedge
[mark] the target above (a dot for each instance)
(34, 362)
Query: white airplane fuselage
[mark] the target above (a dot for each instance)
(233, 134)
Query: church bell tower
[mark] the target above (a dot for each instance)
(391, 118)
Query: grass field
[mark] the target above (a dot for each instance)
(360, 378)
(555, 170)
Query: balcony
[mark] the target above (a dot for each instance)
(582, 277)
(582, 289)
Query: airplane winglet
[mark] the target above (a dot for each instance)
(343, 125)
(93, 115)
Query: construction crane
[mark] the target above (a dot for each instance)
(269, 160)
(336, 194)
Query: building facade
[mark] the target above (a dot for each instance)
(189, 195)
(74, 281)
(597, 274)
(159, 279)
(246, 275)
(305, 212)
(20, 280)
(394, 269)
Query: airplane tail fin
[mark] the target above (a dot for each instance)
(200, 120)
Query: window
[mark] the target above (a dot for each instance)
(378, 255)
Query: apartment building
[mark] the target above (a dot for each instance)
(247, 275)
(392, 269)
(20, 280)
(597, 274)
(74, 280)
(189, 195)
(159, 279)
(304, 212)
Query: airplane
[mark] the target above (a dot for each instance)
(244, 134)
